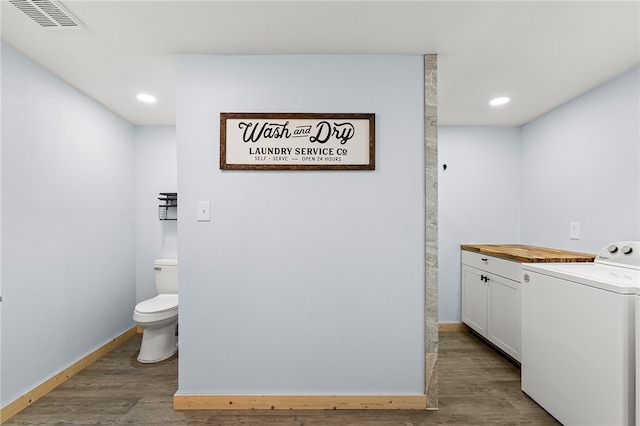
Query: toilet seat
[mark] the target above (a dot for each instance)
(161, 307)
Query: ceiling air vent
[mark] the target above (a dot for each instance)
(48, 14)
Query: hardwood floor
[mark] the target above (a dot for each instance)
(476, 387)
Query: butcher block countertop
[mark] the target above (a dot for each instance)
(528, 254)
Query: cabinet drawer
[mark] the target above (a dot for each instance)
(493, 265)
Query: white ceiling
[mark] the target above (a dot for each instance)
(541, 53)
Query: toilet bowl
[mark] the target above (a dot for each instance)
(158, 316)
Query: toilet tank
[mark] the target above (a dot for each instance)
(166, 271)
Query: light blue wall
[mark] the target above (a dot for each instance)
(304, 281)
(581, 163)
(478, 200)
(68, 236)
(75, 227)
(155, 172)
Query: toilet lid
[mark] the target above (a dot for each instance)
(160, 303)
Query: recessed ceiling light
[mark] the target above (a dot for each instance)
(499, 101)
(145, 97)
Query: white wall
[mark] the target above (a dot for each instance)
(581, 163)
(68, 237)
(155, 172)
(478, 200)
(308, 281)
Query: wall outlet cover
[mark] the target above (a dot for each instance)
(574, 230)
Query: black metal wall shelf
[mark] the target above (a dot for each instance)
(169, 200)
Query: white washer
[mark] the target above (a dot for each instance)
(578, 336)
(638, 357)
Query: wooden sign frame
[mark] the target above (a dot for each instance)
(297, 141)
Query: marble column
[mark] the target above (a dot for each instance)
(431, 228)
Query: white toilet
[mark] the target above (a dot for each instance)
(159, 316)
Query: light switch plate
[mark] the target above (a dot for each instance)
(204, 211)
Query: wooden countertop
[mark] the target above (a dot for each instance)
(528, 254)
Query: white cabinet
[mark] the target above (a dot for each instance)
(491, 300)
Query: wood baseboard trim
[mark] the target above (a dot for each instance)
(299, 402)
(14, 407)
(452, 326)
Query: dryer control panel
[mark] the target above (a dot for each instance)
(622, 253)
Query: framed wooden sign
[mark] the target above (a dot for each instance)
(297, 141)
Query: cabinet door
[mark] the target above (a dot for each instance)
(504, 315)
(474, 299)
